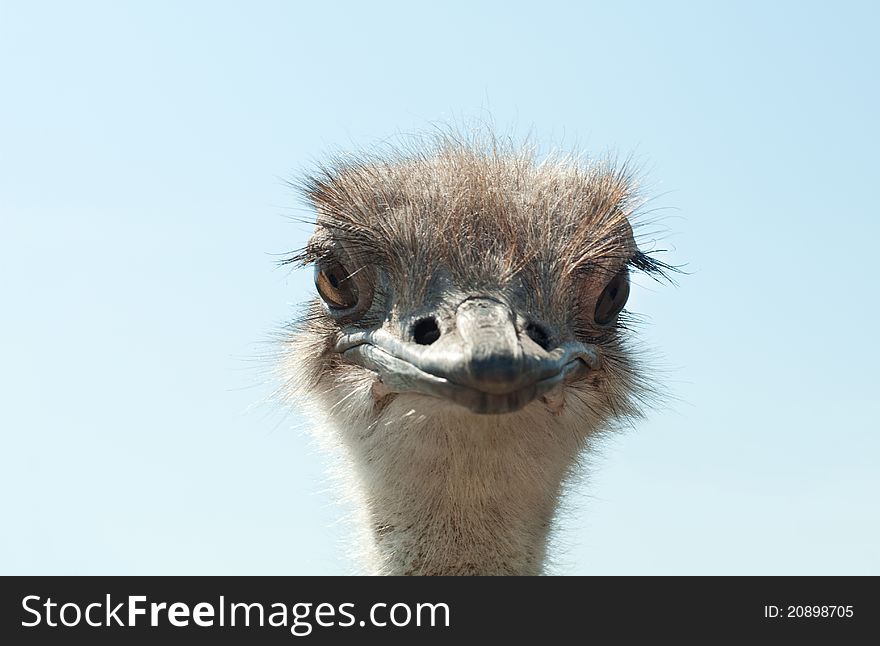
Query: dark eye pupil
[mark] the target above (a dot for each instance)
(335, 287)
(612, 299)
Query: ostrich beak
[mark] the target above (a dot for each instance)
(481, 361)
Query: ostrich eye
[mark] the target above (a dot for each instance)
(612, 299)
(336, 286)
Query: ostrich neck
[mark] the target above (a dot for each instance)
(472, 495)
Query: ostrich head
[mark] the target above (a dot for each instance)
(467, 339)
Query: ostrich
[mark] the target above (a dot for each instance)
(467, 341)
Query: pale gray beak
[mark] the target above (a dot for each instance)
(480, 360)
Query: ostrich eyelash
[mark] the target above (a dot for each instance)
(657, 269)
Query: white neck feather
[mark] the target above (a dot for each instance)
(443, 491)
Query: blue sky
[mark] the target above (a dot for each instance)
(143, 156)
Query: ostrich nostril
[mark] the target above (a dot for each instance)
(425, 331)
(539, 334)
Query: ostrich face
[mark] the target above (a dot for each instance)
(469, 284)
(479, 343)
